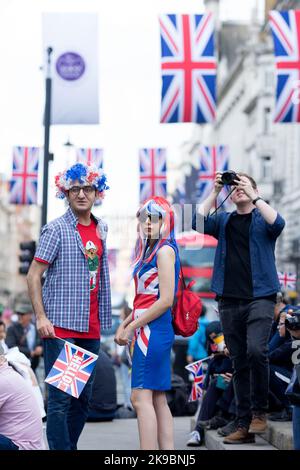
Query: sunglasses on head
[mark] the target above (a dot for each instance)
(152, 211)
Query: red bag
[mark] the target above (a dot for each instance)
(186, 309)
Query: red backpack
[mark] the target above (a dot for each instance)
(186, 309)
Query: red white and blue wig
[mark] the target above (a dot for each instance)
(84, 174)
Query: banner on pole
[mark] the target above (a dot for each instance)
(74, 39)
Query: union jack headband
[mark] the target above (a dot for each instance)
(84, 174)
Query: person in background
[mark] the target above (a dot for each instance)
(21, 426)
(3, 336)
(122, 360)
(24, 335)
(197, 343)
(295, 333)
(74, 301)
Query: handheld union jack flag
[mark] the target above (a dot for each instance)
(287, 280)
(23, 185)
(212, 159)
(197, 388)
(188, 65)
(153, 173)
(72, 369)
(285, 27)
(90, 156)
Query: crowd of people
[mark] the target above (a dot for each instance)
(69, 290)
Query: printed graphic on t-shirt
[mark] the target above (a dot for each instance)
(93, 262)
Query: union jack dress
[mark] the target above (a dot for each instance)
(151, 363)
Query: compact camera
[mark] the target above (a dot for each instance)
(228, 178)
(292, 320)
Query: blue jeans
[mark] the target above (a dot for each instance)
(66, 415)
(7, 444)
(296, 426)
(246, 326)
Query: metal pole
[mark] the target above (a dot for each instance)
(47, 120)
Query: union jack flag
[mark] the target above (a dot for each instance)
(285, 27)
(212, 159)
(90, 156)
(153, 173)
(72, 369)
(287, 280)
(188, 66)
(23, 185)
(197, 388)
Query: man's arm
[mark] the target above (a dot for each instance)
(34, 281)
(209, 202)
(200, 221)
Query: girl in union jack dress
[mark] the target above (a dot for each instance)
(156, 274)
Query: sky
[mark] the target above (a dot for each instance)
(129, 87)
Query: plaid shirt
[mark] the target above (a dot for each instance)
(66, 291)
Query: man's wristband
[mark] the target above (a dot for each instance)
(256, 199)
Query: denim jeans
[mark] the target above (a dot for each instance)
(7, 444)
(66, 415)
(296, 426)
(246, 327)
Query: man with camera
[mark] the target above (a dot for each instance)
(245, 282)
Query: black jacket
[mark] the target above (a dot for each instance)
(16, 336)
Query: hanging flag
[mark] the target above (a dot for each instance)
(197, 388)
(72, 369)
(90, 156)
(188, 67)
(287, 280)
(74, 39)
(212, 159)
(285, 27)
(153, 173)
(23, 185)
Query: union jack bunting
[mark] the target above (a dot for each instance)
(285, 27)
(211, 160)
(287, 280)
(23, 185)
(90, 156)
(153, 173)
(197, 388)
(72, 369)
(188, 67)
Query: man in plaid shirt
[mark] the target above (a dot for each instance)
(71, 305)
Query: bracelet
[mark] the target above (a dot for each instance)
(256, 199)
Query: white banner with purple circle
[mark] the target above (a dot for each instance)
(74, 40)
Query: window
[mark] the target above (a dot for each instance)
(269, 79)
(267, 120)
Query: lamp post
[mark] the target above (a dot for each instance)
(47, 122)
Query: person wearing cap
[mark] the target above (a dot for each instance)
(75, 301)
(23, 334)
(156, 274)
(21, 426)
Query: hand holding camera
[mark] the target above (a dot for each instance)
(231, 178)
(218, 185)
